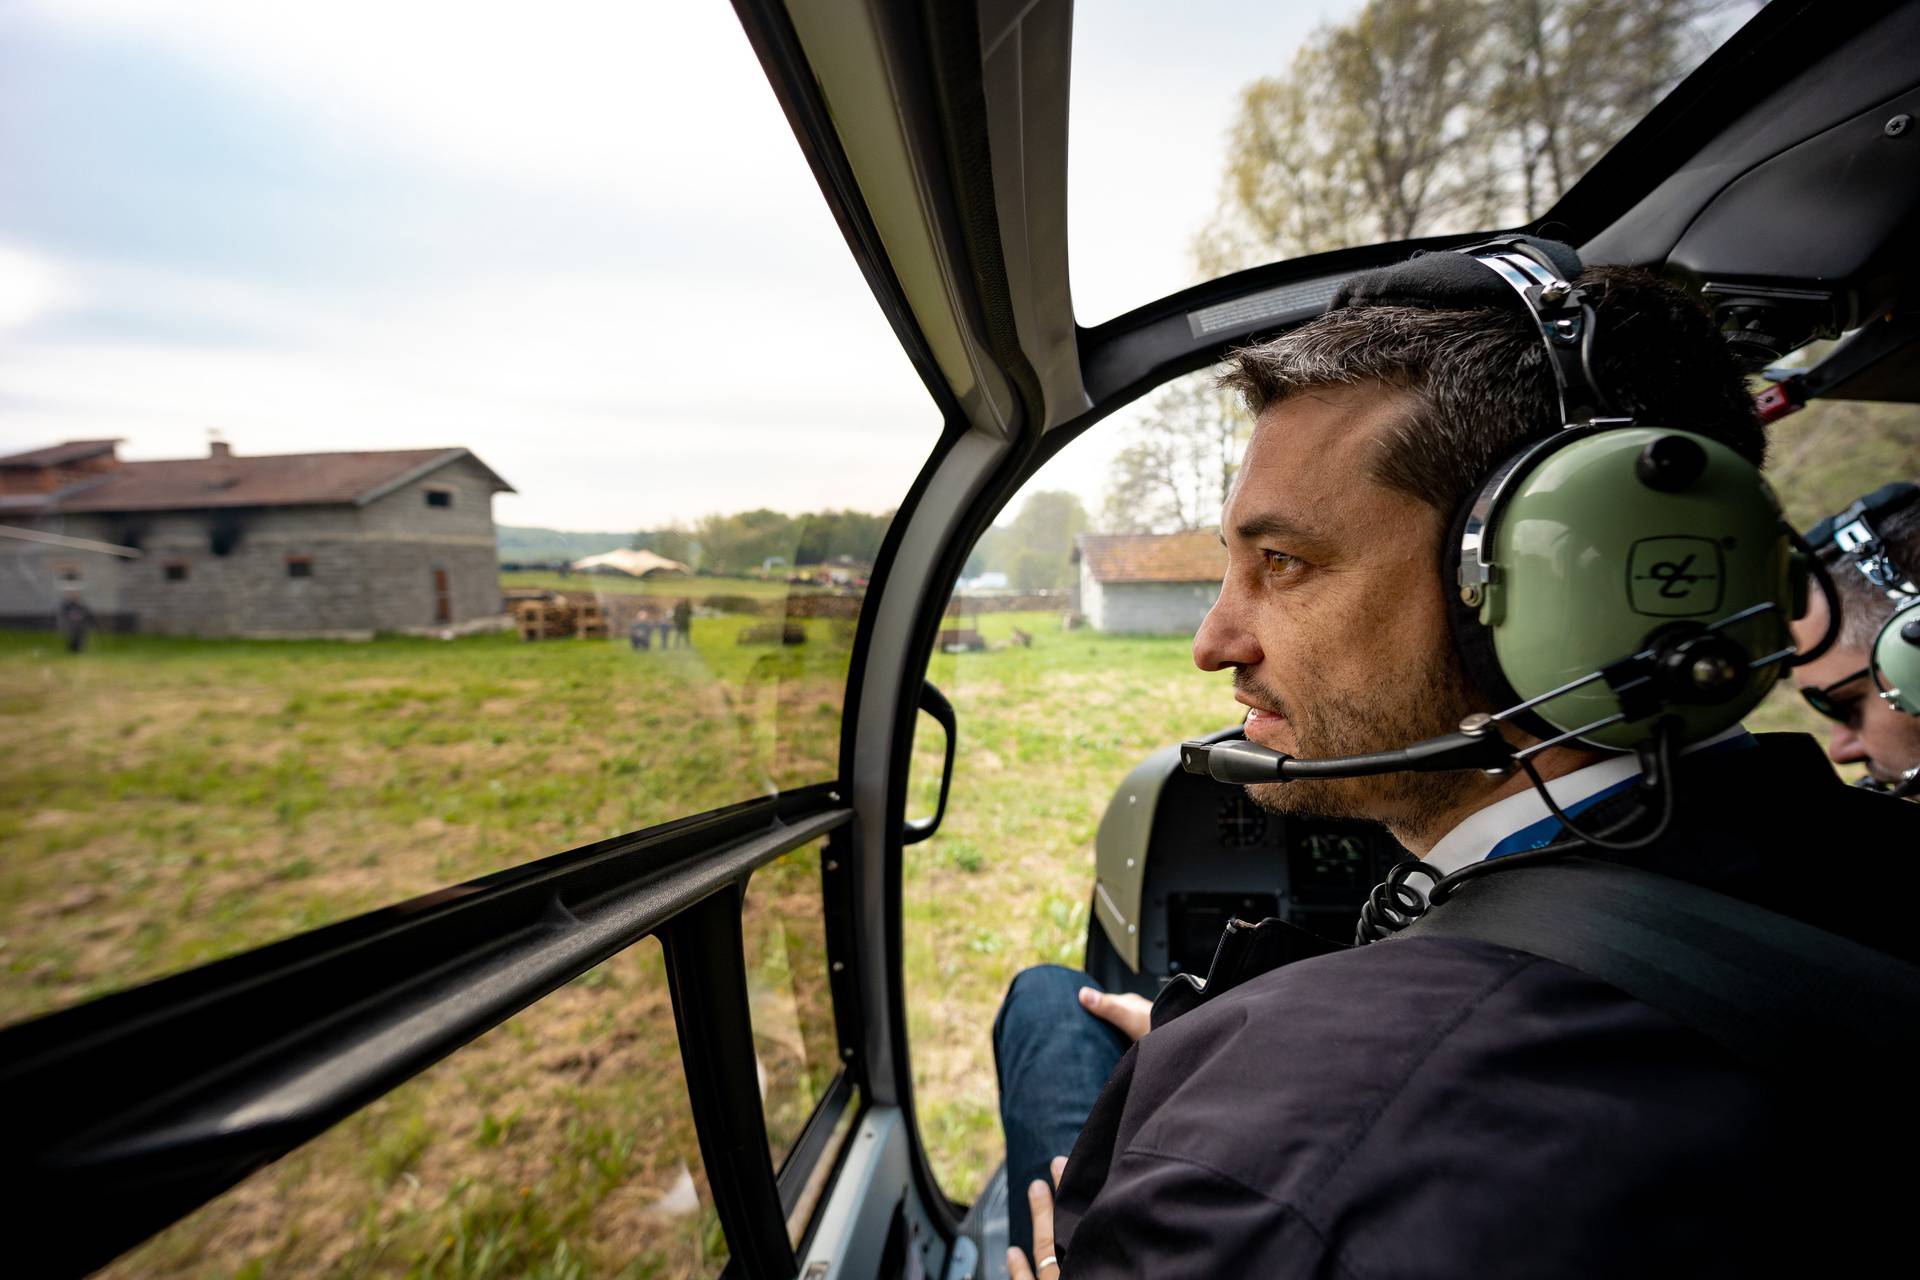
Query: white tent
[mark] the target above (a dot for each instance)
(637, 563)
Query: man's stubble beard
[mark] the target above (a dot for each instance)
(1407, 708)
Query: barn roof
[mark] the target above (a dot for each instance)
(59, 454)
(270, 480)
(1194, 556)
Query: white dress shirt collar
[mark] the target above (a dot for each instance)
(1482, 830)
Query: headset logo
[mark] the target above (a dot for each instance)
(1676, 576)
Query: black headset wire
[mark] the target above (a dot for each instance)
(1394, 904)
(1828, 591)
(1661, 775)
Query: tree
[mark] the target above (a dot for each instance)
(1035, 549)
(1375, 133)
(673, 542)
(1570, 79)
(825, 535)
(1420, 117)
(1178, 464)
(747, 540)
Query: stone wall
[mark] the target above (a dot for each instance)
(250, 590)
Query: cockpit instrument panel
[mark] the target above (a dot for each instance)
(1168, 885)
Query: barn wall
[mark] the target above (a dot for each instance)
(1092, 601)
(30, 588)
(248, 590)
(414, 539)
(1153, 608)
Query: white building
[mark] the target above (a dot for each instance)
(1149, 583)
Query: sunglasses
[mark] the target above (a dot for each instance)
(1821, 700)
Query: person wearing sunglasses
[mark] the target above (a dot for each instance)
(1867, 576)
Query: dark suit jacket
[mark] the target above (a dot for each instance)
(1445, 1107)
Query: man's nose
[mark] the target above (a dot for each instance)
(1844, 745)
(1225, 639)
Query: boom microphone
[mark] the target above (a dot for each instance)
(1474, 746)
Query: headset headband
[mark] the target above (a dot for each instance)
(1565, 319)
(1852, 533)
(1566, 324)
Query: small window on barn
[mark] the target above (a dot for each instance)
(439, 497)
(175, 572)
(299, 566)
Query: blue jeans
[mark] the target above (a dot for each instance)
(1053, 1059)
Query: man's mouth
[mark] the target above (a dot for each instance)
(1263, 725)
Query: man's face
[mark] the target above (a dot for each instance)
(1871, 732)
(1330, 614)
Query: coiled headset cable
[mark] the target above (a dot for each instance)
(1394, 903)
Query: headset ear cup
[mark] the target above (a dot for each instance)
(1472, 640)
(1896, 659)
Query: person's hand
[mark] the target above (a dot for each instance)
(1040, 1201)
(1130, 1013)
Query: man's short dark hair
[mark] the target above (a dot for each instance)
(1863, 606)
(1481, 379)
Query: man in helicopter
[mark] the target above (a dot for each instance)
(1444, 1105)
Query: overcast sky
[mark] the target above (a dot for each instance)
(576, 238)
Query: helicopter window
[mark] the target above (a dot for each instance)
(580, 563)
(558, 1143)
(1301, 133)
(1052, 710)
(788, 993)
(635, 375)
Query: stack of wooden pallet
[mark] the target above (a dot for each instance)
(552, 615)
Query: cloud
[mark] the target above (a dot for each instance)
(30, 287)
(583, 243)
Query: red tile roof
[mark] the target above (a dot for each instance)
(276, 480)
(55, 455)
(1196, 556)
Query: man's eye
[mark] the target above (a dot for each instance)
(1278, 561)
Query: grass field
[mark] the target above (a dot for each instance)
(169, 801)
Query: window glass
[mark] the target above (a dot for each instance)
(558, 1144)
(1051, 714)
(1059, 696)
(792, 1005)
(558, 432)
(1820, 460)
(1279, 130)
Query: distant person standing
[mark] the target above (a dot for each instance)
(683, 623)
(76, 621)
(640, 634)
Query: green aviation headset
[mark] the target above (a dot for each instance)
(1618, 585)
(1617, 578)
(1894, 657)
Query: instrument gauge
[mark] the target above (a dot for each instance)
(1243, 824)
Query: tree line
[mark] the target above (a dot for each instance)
(751, 541)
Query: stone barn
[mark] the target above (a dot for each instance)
(302, 544)
(1149, 583)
